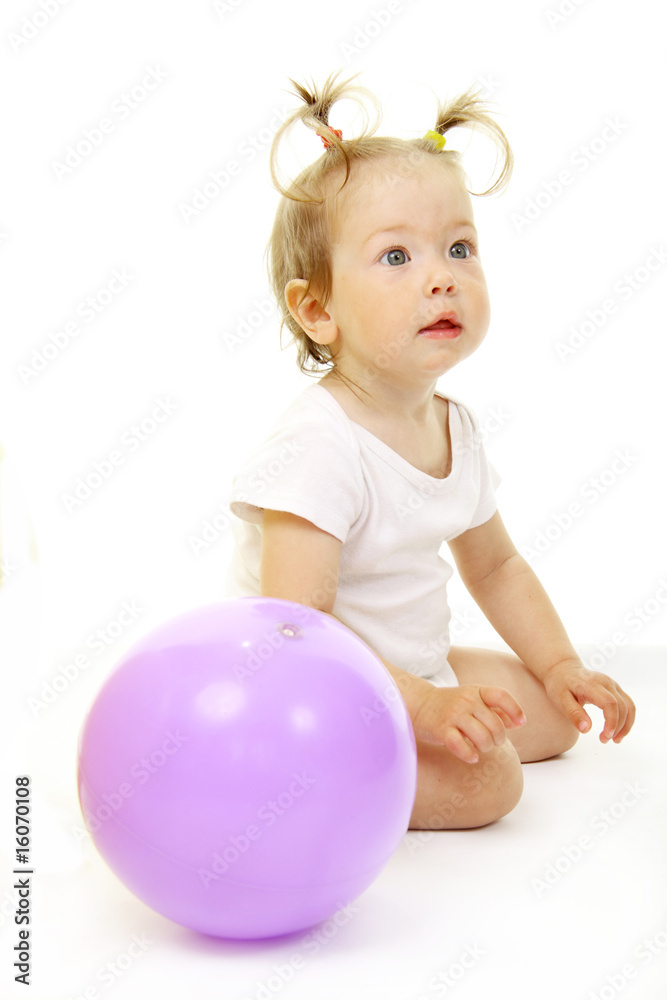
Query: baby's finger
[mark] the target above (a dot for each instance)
(478, 734)
(629, 719)
(456, 744)
(608, 702)
(505, 719)
(497, 697)
(491, 720)
(622, 715)
(574, 711)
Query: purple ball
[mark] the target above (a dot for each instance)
(248, 768)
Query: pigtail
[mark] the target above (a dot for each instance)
(301, 240)
(317, 104)
(470, 110)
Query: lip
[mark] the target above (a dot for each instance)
(445, 333)
(449, 328)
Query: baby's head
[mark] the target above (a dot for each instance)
(349, 295)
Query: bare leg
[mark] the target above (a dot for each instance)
(454, 795)
(547, 732)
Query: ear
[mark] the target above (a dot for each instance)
(307, 311)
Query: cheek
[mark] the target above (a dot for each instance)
(482, 307)
(485, 311)
(481, 294)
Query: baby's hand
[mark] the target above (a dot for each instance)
(570, 685)
(467, 720)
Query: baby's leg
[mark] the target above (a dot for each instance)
(453, 795)
(547, 732)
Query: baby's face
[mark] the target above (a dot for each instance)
(388, 286)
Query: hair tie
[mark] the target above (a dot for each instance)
(328, 142)
(435, 137)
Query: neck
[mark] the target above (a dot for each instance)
(392, 401)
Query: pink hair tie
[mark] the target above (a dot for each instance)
(328, 142)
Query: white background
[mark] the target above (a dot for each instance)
(220, 82)
(163, 336)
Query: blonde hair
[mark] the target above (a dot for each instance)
(300, 242)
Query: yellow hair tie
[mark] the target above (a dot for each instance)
(435, 137)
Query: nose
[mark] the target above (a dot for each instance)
(440, 278)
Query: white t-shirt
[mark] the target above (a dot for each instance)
(391, 518)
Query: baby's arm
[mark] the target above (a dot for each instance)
(300, 563)
(512, 598)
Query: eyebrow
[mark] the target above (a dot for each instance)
(405, 227)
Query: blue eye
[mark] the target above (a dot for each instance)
(395, 250)
(468, 247)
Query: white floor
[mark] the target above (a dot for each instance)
(565, 898)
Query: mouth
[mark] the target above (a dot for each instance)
(446, 327)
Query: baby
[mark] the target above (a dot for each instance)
(344, 506)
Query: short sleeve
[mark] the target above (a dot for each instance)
(490, 480)
(309, 465)
(482, 477)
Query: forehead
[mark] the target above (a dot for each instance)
(392, 189)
